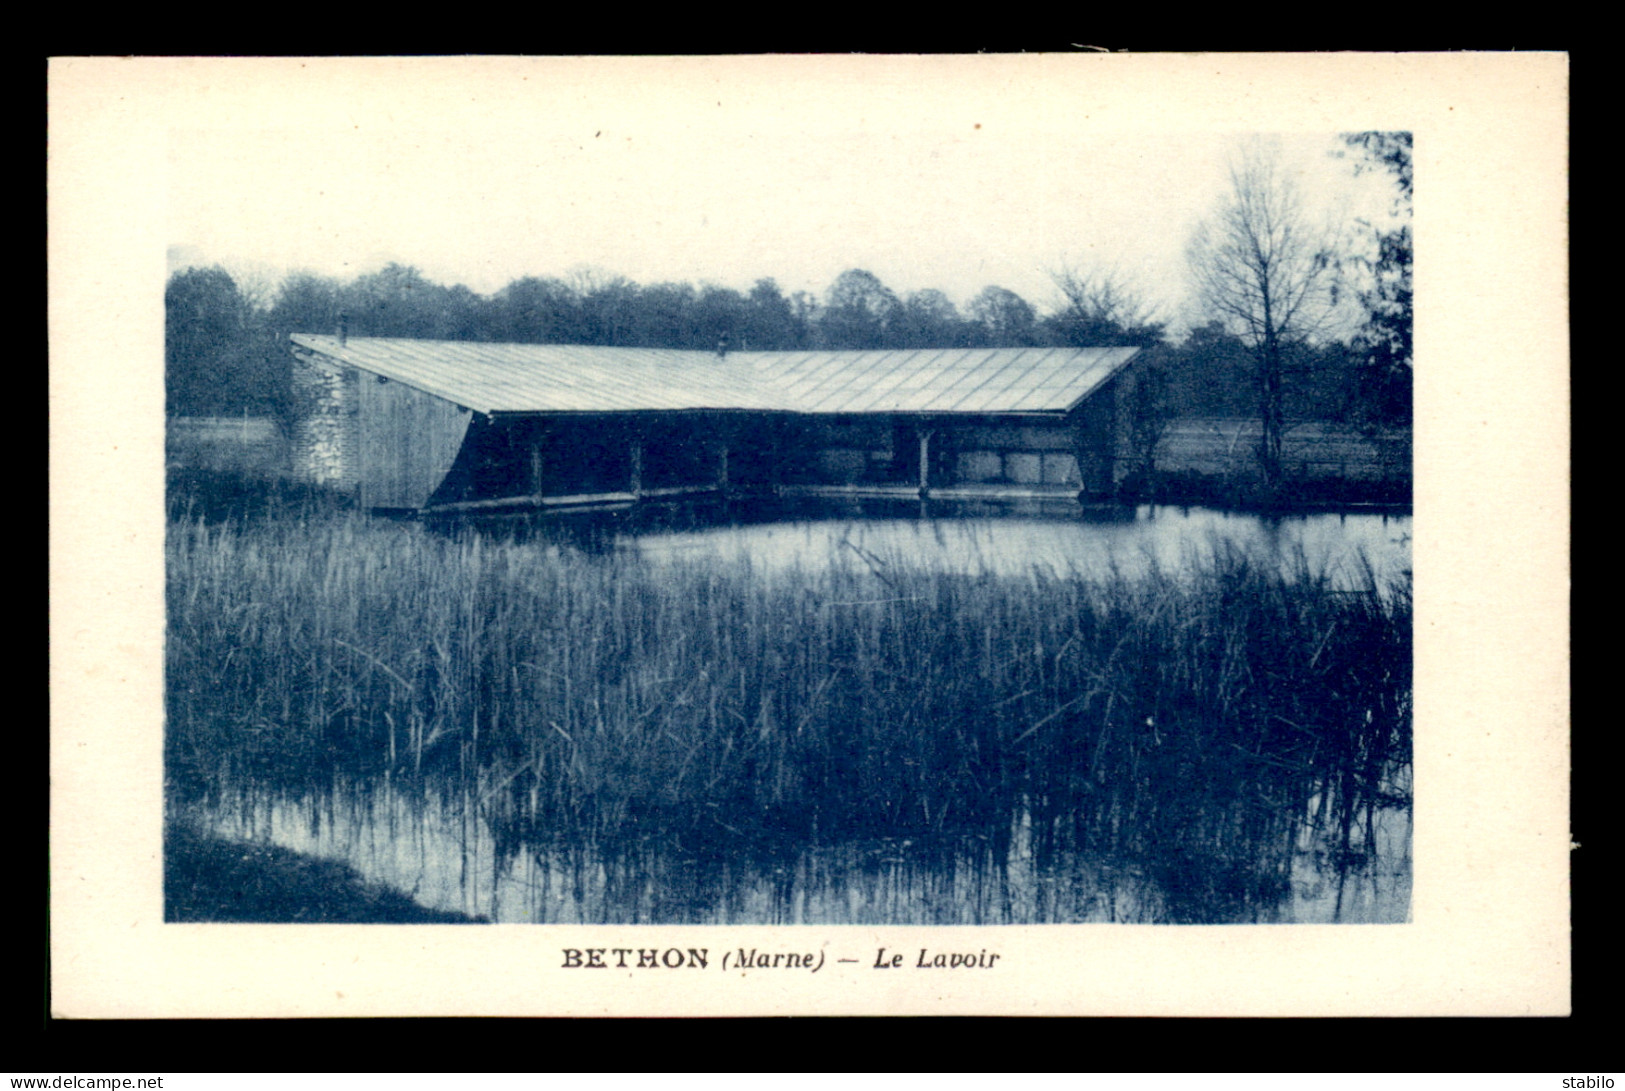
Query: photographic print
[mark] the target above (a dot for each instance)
(718, 527)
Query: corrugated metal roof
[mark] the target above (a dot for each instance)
(942, 380)
(502, 378)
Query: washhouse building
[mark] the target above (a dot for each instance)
(439, 427)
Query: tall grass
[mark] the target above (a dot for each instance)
(1202, 713)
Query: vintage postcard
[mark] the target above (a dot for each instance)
(1051, 534)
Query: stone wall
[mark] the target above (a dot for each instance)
(1017, 468)
(881, 450)
(1014, 454)
(325, 443)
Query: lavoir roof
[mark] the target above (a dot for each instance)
(508, 378)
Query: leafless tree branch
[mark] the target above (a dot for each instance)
(1261, 265)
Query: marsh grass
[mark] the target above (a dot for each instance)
(1198, 718)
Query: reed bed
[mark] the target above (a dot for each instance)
(1197, 714)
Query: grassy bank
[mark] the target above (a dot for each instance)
(1236, 492)
(215, 881)
(1201, 712)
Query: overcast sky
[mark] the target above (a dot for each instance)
(681, 171)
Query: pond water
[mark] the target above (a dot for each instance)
(1347, 547)
(1251, 858)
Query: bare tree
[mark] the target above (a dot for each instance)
(1101, 308)
(258, 284)
(1261, 265)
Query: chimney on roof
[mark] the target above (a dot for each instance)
(344, 329)
(722, 347)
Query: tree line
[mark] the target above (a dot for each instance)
(227, 352)
(1268, 281)
(224, 354)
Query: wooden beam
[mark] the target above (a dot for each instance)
(884, 492)
(679, 490)
(606, 498)
(582, 500)
(939, 492)
(637, 468)
(1005, 492)
(481, 505)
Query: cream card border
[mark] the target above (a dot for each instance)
(1489, 933)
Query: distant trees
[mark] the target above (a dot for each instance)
(1214, 375)
(1265, 270)
(535, 310)
(665, 314)
(307, 303)
(399, 301)
(212, 338)
(770, 320)
(859, 312)
(204, 316)
(721, 314)
(765, 319)
(1006, 320)
(1384, 339)
(1099, 308)
(929, 319)
(607, 304)
(226, 348)
(226, 351)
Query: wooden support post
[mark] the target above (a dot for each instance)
(637, 469)
(537, 479)
(925, 462)
(722, 467)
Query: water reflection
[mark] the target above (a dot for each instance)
(446, 856)
(1090, 542)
